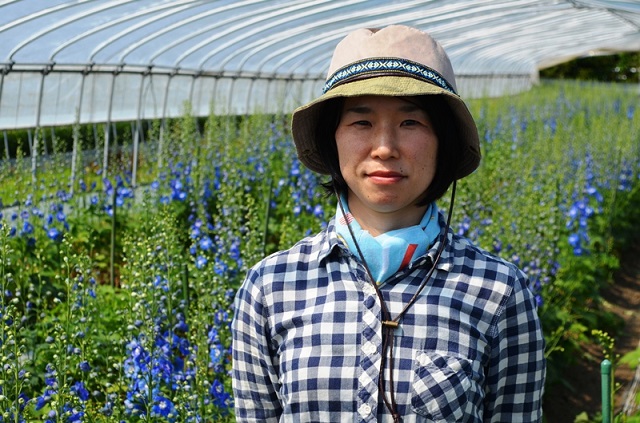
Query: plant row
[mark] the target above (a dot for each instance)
(116, 299)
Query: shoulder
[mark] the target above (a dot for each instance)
(479, 267)
(498, 286)
(478, 261)
(299, 257)
(469, 261)
(283, 275)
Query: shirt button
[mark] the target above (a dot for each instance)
(369, 348)
(423, 360)
(369, 289)
(365, 410)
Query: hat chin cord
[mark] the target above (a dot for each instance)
(389, 325)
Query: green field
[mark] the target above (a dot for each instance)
(122, 313)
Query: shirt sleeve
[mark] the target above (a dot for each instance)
(517, 367)
(254, 372)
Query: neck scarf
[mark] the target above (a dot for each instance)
(391, 251)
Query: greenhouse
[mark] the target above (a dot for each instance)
(99, 61)
(147, 163)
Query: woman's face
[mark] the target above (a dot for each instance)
(387, 150)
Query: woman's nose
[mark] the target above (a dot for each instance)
(384, 144)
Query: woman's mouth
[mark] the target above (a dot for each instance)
(385, 177)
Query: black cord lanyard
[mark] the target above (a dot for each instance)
(390, 325)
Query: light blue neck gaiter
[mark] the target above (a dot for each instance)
(391, 251)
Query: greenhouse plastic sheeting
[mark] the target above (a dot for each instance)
(64, 61)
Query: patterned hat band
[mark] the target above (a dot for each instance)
(386, 66)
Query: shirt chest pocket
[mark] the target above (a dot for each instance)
(441, 387)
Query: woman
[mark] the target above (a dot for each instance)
(387, 315)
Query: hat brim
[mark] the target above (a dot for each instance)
(304, 121)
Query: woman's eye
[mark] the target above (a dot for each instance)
(410, 122)
(362, 123)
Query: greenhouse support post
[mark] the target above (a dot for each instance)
(95, 137)
(5, 70)
(107, 127)
(192, 86)
(34, 149)
(30, 141)
(76, 135)
(74, 157)
(607, 385)
(247, 105)
(112, 252)
(138, 130)
(165, 102)
(230, 96)
(43, 139)
(6, 144)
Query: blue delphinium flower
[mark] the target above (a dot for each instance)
(587, 203)
(80, 391)
(205, 243)
(74, 415)
(159, 371)
(318, 211)
(44, 399)
(54, 234)
(178, 192)
(164, 407)
(215, 349)
(625, 178)
(220, 267)
(201, 262)
(497, 246)
(107, 409)
(27, 228)
(574, 240)
(463, 227)
(50, 376)
(221, 398)
(234, 252)
(138, 359)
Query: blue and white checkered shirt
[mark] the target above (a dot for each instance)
(307, 338)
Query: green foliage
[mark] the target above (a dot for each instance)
(622, 67)
(557, 193)
(632, 358)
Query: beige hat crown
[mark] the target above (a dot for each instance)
(399, 42)
(394, 61)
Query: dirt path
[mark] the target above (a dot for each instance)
(584, 393)
(623, 298)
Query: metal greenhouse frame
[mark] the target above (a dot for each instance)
(86, 61)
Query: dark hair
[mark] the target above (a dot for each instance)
(446, 130)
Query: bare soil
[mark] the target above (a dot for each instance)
(582, 393)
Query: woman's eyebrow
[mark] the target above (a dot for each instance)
(360, 109)
(409, 107)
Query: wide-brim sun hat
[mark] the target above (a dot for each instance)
(393, 61)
